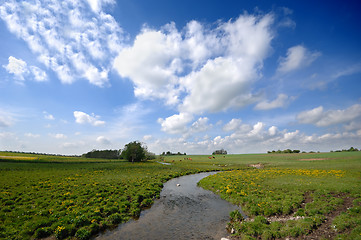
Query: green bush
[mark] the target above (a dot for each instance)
(83, 233)
(61, 232)
(236, 216)
(115, 218)
(43, 232)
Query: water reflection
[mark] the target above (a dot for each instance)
(185, 211)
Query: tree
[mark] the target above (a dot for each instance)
(107, 154)
(221, 151)
(134, 152)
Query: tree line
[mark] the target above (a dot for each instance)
(133, 152)
(169, 153)
(220, 151)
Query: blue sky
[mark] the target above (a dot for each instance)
(188, 76)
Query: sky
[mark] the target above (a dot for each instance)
(182, 76)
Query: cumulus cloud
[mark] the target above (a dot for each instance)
(297, 57)
(69, 39)
(151, 64)
(198, 69)
(281, 101)
(321, 118)
(232, 125)
(175, 124)
(181, 124)
(272, 131)
(257, 128)
(83, 118)
(201, 125)
(103, 140)
(256, 138)
(21, 71)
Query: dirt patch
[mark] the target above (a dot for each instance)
(326, 230)
(258, 165)
(312, 159)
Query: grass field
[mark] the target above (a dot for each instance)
(311, 196)
(75, 197)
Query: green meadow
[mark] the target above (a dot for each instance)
(73, 197)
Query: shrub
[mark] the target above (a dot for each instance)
(115, 218)
(61, 232)
(83, 233)
(236, 215)
(42, 232)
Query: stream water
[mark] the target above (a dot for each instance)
(184, 211)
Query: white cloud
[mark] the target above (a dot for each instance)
(21, 70)
(147, 137)
(175, 124)
(321, 118)
(48, 116)
(67, 38)
(232, 125)
(6, 119)
(17, 67)
(103, 140)
(73, 145)
(221, 83)
(310, 116)
(198, 69)
(201, 125)
(31, 135)
(96, 5)
(288, 136)
(58, 136)
(297, 57)
(272, 130)
(38, 74)
(151, 64)
(353, 69)
(257, 128)
(82, 118)
(281, 101)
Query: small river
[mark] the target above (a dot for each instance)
(182, 212)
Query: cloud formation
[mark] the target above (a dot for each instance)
(321, 118)
(198, 69)
(297, 57)
(83, 118)
(6, 119)
(66, 37)
(280, 101)
(103, 140)
(21, 71)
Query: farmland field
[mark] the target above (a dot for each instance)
(312, 196)
(64, 197)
